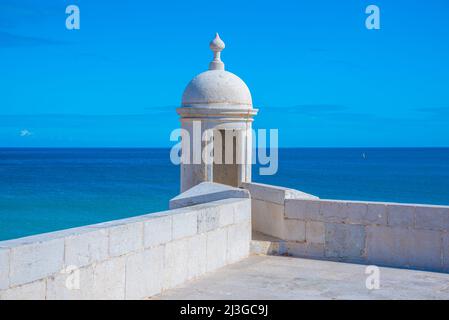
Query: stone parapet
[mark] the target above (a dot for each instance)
(388, 234)
(127, 259)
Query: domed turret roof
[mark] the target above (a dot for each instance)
(217, 87)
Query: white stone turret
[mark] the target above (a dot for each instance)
(220, 102)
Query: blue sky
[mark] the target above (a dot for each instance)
(315, 72)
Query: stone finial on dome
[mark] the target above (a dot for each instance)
(216, 45)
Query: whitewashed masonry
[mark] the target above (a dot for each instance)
(386, 234)
(131, 258)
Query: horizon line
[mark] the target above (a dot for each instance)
(297, 147)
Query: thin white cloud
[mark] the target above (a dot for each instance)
(25, 133)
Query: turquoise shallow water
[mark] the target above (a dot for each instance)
(43, 190)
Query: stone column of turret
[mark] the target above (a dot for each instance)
(216, 101)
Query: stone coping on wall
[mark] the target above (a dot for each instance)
(205, 192)
(274, 194)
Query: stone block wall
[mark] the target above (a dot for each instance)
(387, 234)
(127, 259)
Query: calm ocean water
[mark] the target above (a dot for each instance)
(43, 190)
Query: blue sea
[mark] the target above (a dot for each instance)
(44, 190)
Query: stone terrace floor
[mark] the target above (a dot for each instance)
(277, 277)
